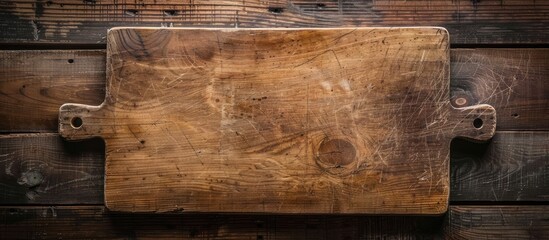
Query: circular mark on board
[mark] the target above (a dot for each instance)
(336, 153)
(477, 123)
(76, 122)
(460, 101)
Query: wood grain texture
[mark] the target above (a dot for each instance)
(34, 84)
(514, 166)
(44, 169)
(470, 22)
(477, 76)
(277, 120)
(497, 222)
(462, 222)
(514, 81)
(97, 223)
(475, 21)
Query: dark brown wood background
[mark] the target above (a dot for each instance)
(53, 53)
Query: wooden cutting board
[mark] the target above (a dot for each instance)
(277, 120)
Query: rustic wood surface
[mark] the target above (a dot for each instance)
(234, 118)
(44, 169)
(461, 222)
(514, 81)
(497, 222)
(469, 21)
(96, 222)
(513, 166)
(34, 84)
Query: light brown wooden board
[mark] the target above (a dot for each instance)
(289, 121)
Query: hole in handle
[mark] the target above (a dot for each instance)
(76, 122)
(477, 123)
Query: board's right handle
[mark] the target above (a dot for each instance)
(476, 122)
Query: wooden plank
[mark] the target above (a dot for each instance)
(462, 222)
(44, 169)
(26, 76)
(34, 84)
(469, 22)
(98, 223)
(240, 123)
(514, 166)
(514, 81)
(497, 222)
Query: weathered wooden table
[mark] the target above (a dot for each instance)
(53, 53)
(346, 120)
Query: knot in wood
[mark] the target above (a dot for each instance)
(336, 153)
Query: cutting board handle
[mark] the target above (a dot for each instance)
(79, 121)
(476, 122)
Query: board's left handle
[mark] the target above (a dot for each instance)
(79, 121)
